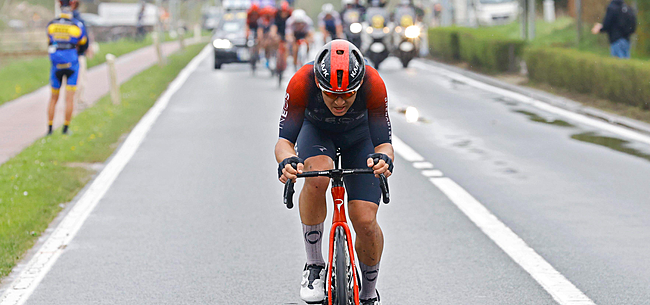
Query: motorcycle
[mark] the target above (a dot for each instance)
(352, 26)
(406, 35)
(378, 36)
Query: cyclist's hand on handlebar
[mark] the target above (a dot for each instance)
(381, 164)
(286, 169)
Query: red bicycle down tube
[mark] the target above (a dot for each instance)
(340, 220)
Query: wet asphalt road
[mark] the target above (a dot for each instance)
(196, 217)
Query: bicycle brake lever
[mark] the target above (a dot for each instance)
(288, 194)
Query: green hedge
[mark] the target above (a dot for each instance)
(643, 28)
(479, 48)
(621, 81)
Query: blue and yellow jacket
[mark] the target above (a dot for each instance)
(65, 34)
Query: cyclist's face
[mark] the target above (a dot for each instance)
(338, 104)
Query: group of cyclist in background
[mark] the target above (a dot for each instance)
(276, 28)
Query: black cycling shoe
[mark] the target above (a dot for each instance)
(371, 301)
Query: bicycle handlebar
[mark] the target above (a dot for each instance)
(289, 190)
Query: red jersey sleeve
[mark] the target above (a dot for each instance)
(295, 102)
(377, 104)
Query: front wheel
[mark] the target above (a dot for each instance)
(342, 274)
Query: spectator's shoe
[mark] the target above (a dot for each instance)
(312, 287)
(371, 301)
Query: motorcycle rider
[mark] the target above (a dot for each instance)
(352, 13)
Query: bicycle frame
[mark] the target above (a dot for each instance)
(339, 219)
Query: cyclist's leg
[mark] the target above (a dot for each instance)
(364, 195)
(71, 86)
(317, 149)
(56, 78)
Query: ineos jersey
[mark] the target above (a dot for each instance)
(304, 101)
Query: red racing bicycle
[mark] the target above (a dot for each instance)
(342, 276)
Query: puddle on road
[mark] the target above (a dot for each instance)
(506, 101)
(610, 142)
(536, 118)
(402, 110)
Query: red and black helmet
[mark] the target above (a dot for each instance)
(339, 67)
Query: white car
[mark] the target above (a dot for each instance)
(493, 12)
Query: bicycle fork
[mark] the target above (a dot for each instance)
(340, 220)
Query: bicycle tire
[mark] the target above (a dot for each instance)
(342, 292)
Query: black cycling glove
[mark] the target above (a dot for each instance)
(377, 156)
(291, 160)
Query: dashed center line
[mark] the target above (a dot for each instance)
(560, 288)
(432, 173)
(421, 165)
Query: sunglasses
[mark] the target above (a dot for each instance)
(344, 96)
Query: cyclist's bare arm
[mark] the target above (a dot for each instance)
(285, 149)
(382, 167)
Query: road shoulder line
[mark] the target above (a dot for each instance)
(39, 265)
(537, 97)
(559, 287)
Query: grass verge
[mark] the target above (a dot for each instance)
(36, 184)
(24, 76)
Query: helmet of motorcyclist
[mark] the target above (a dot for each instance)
(254, 7)
(339, 67)
(68, 3)
(328, 8)
(347, 2)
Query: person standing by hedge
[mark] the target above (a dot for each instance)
(619, 24)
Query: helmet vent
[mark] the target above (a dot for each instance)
(340, 52)
(339, 77)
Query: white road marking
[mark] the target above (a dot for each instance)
(420, 165)
(432, 173)
(25, 284)
(560, 288)
(405, 151)
(621, 131)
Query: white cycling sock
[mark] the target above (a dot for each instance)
(313, 237)
(368, 281)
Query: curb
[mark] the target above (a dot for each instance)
(549, 98)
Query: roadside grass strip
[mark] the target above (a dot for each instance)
(24, 76)
(36, 184)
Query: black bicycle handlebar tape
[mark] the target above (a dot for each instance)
(288, 194)
(383, 181)
(383, 184)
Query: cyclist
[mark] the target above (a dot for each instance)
(279, 27)
(299, 27)
(264, 24)
(329, 22)
(337, 102)
(252, 15)
(280, 21)
(65, 35)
